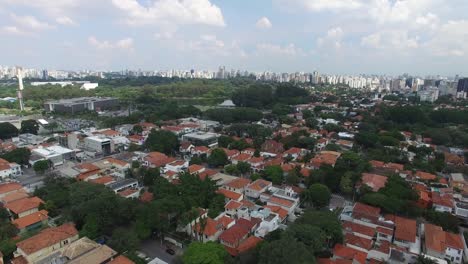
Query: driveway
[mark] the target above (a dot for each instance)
(156, 249)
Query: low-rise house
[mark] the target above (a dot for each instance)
(425, 176)
(124, 184)
(256, 163)
(324, 158)
(406, 234)
(343, 253)
(458, 180)
(239, 232)
(294, 153)
(196, 169)
(345, 143)
(238, 185)
(157, 160)
(201, 151)
(321, 144)
(272, 146)
(9, 188)
(270, 221)
(230, 195)
(211, 229)
(9, 169)
(443, 245)
(254, 189)
(46, 242)
(358, 242)
(242, 157)
(32, 221)
(442, 202)
(177, 166)
(374, 181)
(358, 230)
(23, 207)
(232, 208)
(386, 168)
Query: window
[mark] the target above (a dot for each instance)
(65, 242)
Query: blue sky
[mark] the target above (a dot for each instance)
(332, 36)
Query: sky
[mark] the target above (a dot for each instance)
(331, 36)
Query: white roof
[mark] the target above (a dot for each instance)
(42, 121)
(99, 139)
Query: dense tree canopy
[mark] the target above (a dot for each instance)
(7, 130)
(205, 253)
(29, 126)
(162, 141)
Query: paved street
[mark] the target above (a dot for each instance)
(154, 249)
(30, 180)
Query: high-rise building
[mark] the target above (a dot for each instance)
(462, 88)
(45, 75)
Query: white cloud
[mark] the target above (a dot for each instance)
(333, 38)
(323, 5)
(13, 31)
(273, 49)
(124, 44)
(174, 11)
(450, 39)
(396, 40)
(66, 21)
(30, 22)
(210, 44)
(263, 23)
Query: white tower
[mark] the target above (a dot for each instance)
(19, 74)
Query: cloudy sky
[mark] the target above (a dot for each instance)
(332, 36)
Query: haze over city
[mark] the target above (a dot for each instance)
(333, 36)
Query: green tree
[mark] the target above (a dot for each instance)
(41, 166)
(123, 239)
(231, 169)
(312, 236)
(285, 250)
(7, 130)
(346, 183)
(274, 174)
(425, 260)
(205, 253)
(218, 158)
(149, 176)
(19, 155)
(243, 167)
(162, 141)
(196, 160)
(29, 126)
(137, 129)
(327, 221)
(317, 194)
(90, 228)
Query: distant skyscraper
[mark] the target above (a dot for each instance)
(45, 75)
(462, 88)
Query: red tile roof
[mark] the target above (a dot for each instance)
(23, 205)
(232, 205)
(121, 260)
(358, 241)
(405, 229)
(357, 228)
(366, 210)
(47, 238)
(438, 240)
(238, 183)
(425, 176)
(348, 253)
(229, 194)
(195, 168)
(9, 187)
(259, 184)
(374, 181)
(31, 219)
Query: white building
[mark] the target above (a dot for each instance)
(101, 145)
(9, 169)
(55, 154)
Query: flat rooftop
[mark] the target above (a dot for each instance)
(201, 135)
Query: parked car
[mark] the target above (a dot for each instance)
(170, 251)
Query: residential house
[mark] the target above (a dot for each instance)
(201, 151)
(425, 176)
(9, 188)
(157, 160)
(211, 229)
(406, 234)
(270, 221)
(242, 157)
(346, 144)
(9, 169)
(196, 169)
(176, 166)
(23, 207)
(230, 195)
(32, 221)
(443, 245)
(344, 253)
(324, 158)
(321, 144)
(442, 202)
(46, 242)
(237, 185)
(239, 232)
(272, 146)
(254, 189)
(374, 181)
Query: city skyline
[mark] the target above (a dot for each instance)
(336, 37)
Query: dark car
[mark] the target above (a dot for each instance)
(170, 251)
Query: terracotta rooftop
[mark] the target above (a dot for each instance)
(195, 168)
(348, 253)
(238, 183)
(47, 238)
(357, 228)
(9, 187)
(374, 181)
(358, 241)
(405, 229)
(17, 195)
(366, 209)
(31, 219)
(259, 185)
(438, 240)
(229, 194)
(425, 176)
(121, 260)
(232, 205)
(103, 180)
(24, 204)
